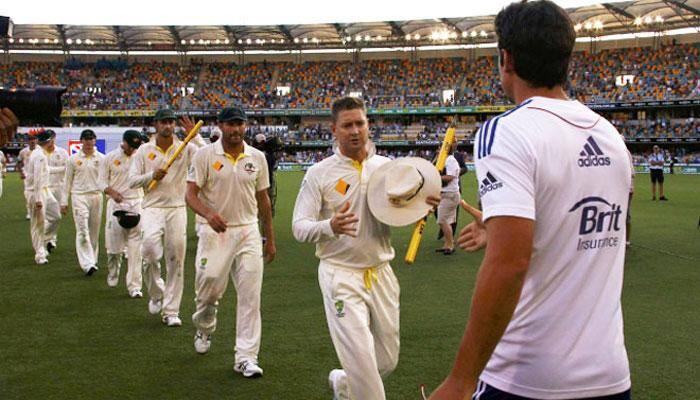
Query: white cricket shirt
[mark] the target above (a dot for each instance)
(115, 173)
(229, 185)
(326, 187)
(82, 175)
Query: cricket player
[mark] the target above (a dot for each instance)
(164, 215)
(58, 160)
(114, 182)
(22, 162)
(3, 170)
(43, 205)
(554, 178)
(82, 183)
(449, 201)
(227, 188)
(360, 291)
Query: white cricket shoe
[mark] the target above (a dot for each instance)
(202, 342)
(135, 294)
(112, 278)
(172, 320)
(41, 260)
(154, 306)
(249, 369)
(337, 380)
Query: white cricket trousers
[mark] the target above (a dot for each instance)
(53, 219)
(117, 238)
(38, 218)
(87, 214)
(164, 233)
(236, 252)
(362, 311)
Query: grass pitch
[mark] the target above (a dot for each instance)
(65, 336)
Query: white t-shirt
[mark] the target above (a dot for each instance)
(565, 167)
(227, 185)
(452, 169)
(656, 157)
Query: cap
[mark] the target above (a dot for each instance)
(232, 114)
(164, 114)
(88, 134)
(132, 138)
(44, 135)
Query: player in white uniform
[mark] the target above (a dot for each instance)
(449, 201)
(22, 161)
(164, 215)
(58, 159)
(114, 182)
(82, 183)
(43, 204)
(3, 170)
(360, 290)
(227, 188)
(554, 177)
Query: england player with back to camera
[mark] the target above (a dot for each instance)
(123, 214)
(546, 315)
(45, 209)
(22, 162)
(58, 159)
(164, 215)
(83, 188)
(227, 189)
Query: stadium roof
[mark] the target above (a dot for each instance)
(591, 20)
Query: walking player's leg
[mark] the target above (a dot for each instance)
(152, 232)
(247, 276)
(175, 238)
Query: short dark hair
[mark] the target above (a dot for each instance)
(540, 37)
(344, 104)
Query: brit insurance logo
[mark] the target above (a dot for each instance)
(592, 155)
(600, 223)
(489, 184)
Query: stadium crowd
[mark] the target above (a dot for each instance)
(669, 72)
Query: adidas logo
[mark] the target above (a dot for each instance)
(488, 184)
(592, 155)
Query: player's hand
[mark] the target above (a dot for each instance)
(343, 222)
(473, 236)
(159, 174)
(38, 205)
(433, 201)
(187, 123)
(451, 389)
(8, 126)
(116, 196)
(217, 222)
(64, 210)
(269, 251)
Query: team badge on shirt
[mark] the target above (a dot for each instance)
(217, 166)
(249, 167)
(151, 156)
(339, 309)
(342, 187)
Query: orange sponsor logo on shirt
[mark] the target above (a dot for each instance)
(217, 166)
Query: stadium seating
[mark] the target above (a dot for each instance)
(670, 72)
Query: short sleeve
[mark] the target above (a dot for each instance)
(263, 181)
(452, 167)
(505, 172)
(197, 172)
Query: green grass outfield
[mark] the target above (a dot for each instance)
(65, 336)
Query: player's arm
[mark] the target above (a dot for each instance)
(103, 181)
(498, 286)
(306, 226)
(139, 178)
(20, 165)
(216, 221)
(265, 212)
(67, 185)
